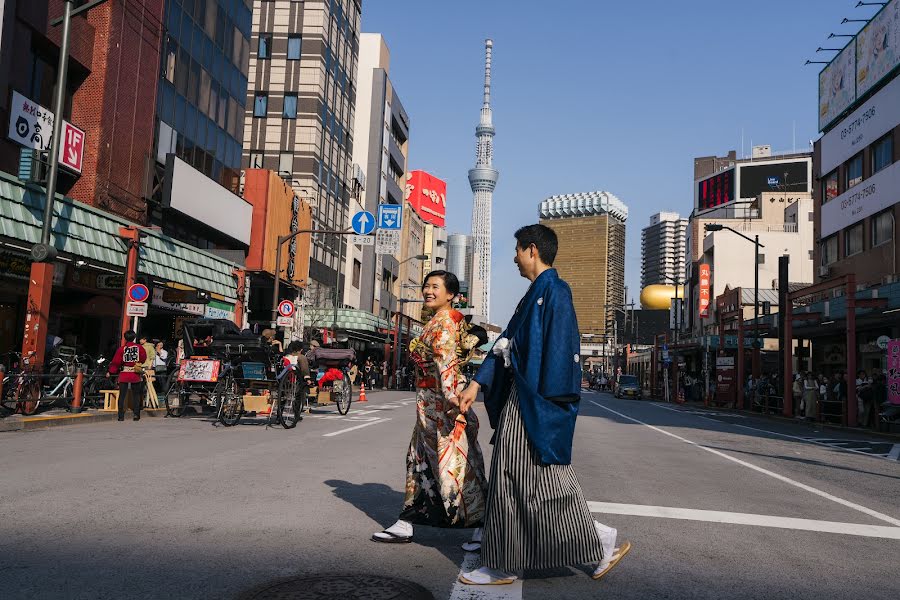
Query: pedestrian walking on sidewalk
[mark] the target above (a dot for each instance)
(445, 479)
(536, 515)
(128, 364)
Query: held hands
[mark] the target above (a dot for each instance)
(468, 396)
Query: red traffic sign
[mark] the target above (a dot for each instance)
(286, 308)
(71, 150)
(138, 292)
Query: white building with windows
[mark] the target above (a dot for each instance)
(662, 249)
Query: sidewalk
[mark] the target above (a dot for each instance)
(698, 405)
(59, 417)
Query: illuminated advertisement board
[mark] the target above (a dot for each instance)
(837, 88)
(877, 52)
(756, 179)
(716, 190)
(428, 196)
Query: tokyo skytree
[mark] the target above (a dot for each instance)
(483, 180)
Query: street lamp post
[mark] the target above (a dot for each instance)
(677, 283)
(756, 246)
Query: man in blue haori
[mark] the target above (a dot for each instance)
(536, 515)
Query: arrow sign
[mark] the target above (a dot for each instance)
(363, 223)
(390, 216)
(286, 308)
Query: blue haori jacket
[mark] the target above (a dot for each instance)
(545, 367)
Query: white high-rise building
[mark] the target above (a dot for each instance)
(662, 249)
(483, 180)
(459, 256)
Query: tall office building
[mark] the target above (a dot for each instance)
(483, 180)
(201, 96)
(459, 256)
(299, 119)
(662, 249)
(591, 257)
(381, 148)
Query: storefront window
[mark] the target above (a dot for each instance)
(830, 187)
(883, 153)
(853, 240)
(882, 228)
(855, 170)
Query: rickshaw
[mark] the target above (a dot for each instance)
(220, 366)
(331, 370)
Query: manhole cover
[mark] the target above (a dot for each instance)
(340, 587)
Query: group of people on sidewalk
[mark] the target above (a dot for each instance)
(531, 513)
(813, 393)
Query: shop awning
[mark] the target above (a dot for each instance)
(347, 318)
(86, 232)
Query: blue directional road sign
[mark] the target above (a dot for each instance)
(363, 222)
(390, 216)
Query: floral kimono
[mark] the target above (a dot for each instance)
(445, 477)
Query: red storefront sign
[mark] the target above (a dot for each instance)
(428, 196)
(705, 273)
(71, 150)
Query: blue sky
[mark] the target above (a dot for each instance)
(601, 95)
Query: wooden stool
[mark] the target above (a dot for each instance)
(151, 400)
(110, 400)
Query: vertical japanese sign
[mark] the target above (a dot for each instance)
(704, 291)
(893, 371)
(71, 150)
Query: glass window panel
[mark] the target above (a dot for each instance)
(830, 186)
(203, 101)
(223, 111)
(290, 106)
(182, 66)
(293, 50)
(210, 21)
(855, 170)
(882, 228)
(265, 45)
(853, 240)
(260, 104)
(883, 153)
(180, 112)
(285, 163)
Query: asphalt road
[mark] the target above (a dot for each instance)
(717, 506)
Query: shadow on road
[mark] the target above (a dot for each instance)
(382, 503)
(805, 461)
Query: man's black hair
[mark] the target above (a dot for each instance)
(129, 336)
(451, 282)
(543, 238)
(294, 346)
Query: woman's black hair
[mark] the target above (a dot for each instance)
(450, 281)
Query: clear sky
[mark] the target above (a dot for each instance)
(616, 95)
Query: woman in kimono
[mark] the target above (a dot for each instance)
(445, 478)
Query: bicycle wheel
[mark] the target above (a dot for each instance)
(342, 394)
(177, 399)
(28, 396)
(231, 404)
(289, 405)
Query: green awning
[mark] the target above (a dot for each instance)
(86, 232)
(347, 318)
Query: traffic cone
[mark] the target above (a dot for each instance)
(362, 393)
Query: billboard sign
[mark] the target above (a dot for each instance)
(428, 196)
(757, 178)
(878, 192)
(837, 85)
(716, 190)
(878, 115)
(877, 51)
(705, 273)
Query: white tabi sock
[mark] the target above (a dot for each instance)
(607, 537)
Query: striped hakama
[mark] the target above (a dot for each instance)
(536, 515)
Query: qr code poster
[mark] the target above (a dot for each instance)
(199, 370)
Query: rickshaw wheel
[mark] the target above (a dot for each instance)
(288, 391)
(232, 408)
(342, 394)
(176, 402)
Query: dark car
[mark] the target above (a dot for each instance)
(628, 387)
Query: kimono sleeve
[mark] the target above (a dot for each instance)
(446, 358)
(560, 360)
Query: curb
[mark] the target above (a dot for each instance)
(48, 421)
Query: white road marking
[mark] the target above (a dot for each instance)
(461, 591)
(818, 441)
(716, 516)
(333, 433)
(894, 454)
(788, 480)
